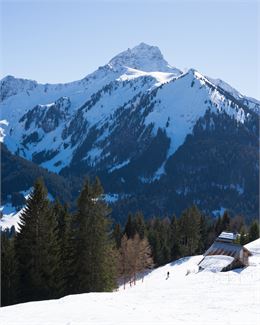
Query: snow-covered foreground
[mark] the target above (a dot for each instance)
(197, 298)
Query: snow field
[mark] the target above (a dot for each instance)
(197, 298)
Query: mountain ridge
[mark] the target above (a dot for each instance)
(111, 121)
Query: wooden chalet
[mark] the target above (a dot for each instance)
(225, 245)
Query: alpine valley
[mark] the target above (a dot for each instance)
(159, 139)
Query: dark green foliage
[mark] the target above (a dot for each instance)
(93, 254)
(135, 225)
(130, 230)
(189, 231)
(243, 239)
(222, 224)
(175, 242)
(140, 225)
(253, 231)
(8, 271)
(64, 220)
(17, 200)
(117, 235)
(159, 236)
(36, 249)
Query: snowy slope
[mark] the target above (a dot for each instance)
(229, 298)
(10, 217)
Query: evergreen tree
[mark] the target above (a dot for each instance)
(204, 230)
(175, 245)
(8, 271)
(94, 264)
(189, 225)
(139, 225)
(253, 231)
(243, 239)
(225, 222)
(159, 236)
(36, 248)
(117, 235)
(64, 232)
(130, 229)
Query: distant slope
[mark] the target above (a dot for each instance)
(19, 174)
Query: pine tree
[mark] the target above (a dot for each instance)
(139, 225)
(225, 222)
(117, 235)
(204, 229)
(174, 240)
(253, 231)
(94, 267)
(8, 271)
(243, 239)
(130, 229)
(189, 225)
(64, 221)
(36, 248)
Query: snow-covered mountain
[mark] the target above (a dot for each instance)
(124, 122)
(197, 298)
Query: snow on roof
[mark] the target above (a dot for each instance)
(216, 263)
(227, 235)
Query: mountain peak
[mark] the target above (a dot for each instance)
(142, 57)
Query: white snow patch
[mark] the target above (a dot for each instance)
(161, 77)
(10, 218)
(219, 212)
(2, 130)
(118, 166)
(111, 197)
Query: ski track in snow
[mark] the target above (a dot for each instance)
(199, 298)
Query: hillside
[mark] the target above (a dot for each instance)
(19, 175)
(228, 298)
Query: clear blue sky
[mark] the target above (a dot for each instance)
(60, 41)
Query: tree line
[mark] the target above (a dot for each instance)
(57, 253)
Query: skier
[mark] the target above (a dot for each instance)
(168, 275)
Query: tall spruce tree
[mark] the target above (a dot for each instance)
(64, 221)
(8, 271)
(117, 235)
(189, 225)
(253, 231)
(130, 228)
(139, 224)
(174, 239)
(36, 248)
(94, 265)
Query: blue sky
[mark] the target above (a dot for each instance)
(60, 41)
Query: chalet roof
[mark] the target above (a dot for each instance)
(229, 249)
(230, 236)
(216, 263)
